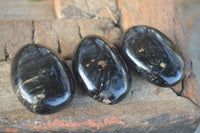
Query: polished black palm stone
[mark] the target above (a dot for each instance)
(153, 56)
(41, 80)
(101, 70)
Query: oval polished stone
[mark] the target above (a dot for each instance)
(41, 79)
(153, 55)
(101, 70)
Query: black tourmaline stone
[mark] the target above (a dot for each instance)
(101, 70)
(153, 56)
(41, 80)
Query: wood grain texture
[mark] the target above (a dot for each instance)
(2, 52)
(165, 18)
(61, 35)
(147, 108)
(89, 9)
(14, 34)
(64, 35)
(24, 9)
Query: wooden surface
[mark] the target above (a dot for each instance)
(165, 18)
(147, 108)
(24, 9)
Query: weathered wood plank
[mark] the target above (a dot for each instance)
(165, 18)
(146, 107)
(100, 27)
(24, 9)
(64, 35)
(13, 35)
(97, 9)
(60, 35)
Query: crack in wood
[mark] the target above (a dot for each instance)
(119, 16)
(6, 53)
(183, 86)
(79, 32)
(91, 16)
(33, 32)
(59, 45)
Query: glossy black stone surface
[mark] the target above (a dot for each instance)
(41, 80)
(153, 56)
(101, 70)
